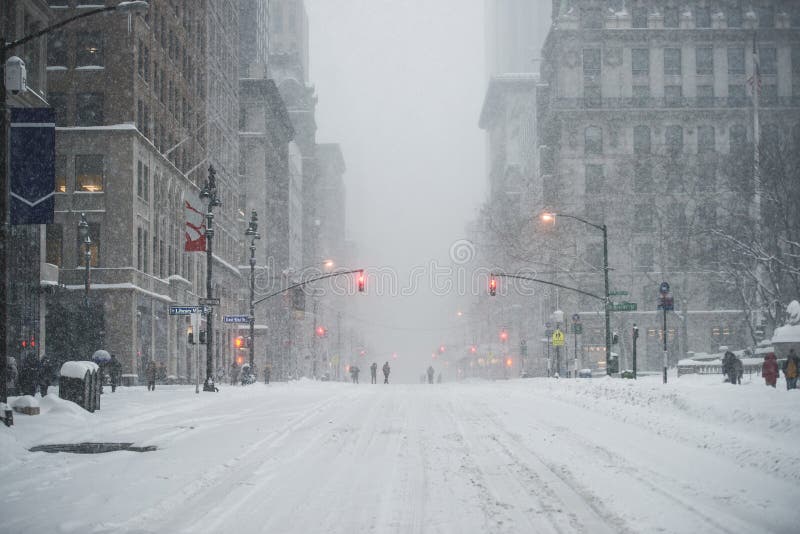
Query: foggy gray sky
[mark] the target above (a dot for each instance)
(400, 86)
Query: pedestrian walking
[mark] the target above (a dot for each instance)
(373, 371)
(791, 367)
(150, 372)
(728, 366)
(234, 373)
(738, 370)
(354, 370)
(115, 372)
(28, 373)
(386, 371)
(430, 374)
(267, 373)
(45, 374)
(769, 370)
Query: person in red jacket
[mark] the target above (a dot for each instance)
(770, 369)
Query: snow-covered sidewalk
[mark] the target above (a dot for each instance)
(534, 455)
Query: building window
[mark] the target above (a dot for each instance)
(644, 257)
(593, 98)
(639, 17)
(94, 248)
(706, 177)
(766, 16)
(674, 178)
(89, 49)
(705, 95)
(738, 138)
(592, 19)
(89, 173)
(705, 60)
(642, 177)
(673, 137)
(734, 14)
(705, 139)
(768, 60)
(89, 109)
(672, 17)
(595, 179)
(54, 244)
(769, 94)
(672, 61)
(593, 140)
(702, 17)
(591, 62)
(57, 49)
(673, 95)
(737, 96)
(640, 61)
(640, 94)
(736, 61)
(641, 139)
(58, 102)
(61, 174)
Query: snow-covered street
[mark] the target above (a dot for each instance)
(531, 455)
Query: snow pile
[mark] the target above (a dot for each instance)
(26, 401)
(78, 369)
(787, 334)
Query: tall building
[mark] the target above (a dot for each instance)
(132, 146)
(645, 123)
(515, 31)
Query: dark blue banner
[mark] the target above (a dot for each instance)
(31, 165)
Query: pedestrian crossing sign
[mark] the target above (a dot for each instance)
(558, 338)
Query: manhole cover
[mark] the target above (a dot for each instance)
(91, 448)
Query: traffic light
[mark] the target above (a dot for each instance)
(503, 336)
(492, 286)
(441, 349)
(473, 349)
(321, 331)
(614, 338)
(202, 337)
(238, 342)
(361, 281)
(509, 362)
(190, 336)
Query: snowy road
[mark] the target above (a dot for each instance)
(532, 456)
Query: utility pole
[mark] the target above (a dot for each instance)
(635, 337)
(210, 192)
(252, 233)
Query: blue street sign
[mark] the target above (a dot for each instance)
(664, 287)
(236, 319)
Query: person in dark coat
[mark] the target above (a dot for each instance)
(728, 366)
(769, 370)
(28, 374)
(791, 369)
(430, 374)
(354, 370)
(45, 374)
(234, 373)
(150, 373)
(386, 371)
(267, 373)
(373, 371)
(738, 370)
(115, 372)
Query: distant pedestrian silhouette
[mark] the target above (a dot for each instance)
(430, 374)
(373, 371)
(386, 371)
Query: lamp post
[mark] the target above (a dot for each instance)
(209, 192)
(86, 239)
(252, 233)
(551, 217)
(5, 48)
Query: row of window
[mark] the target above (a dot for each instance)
(704, 60)
(89, 173)
(700, 13)
(673, 139)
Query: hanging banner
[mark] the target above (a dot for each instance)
(31, 165)
(195, 229)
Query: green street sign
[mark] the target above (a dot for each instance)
(617, 293)
(577, 328)
(622, 306)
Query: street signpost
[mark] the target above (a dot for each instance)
(236, 319)
(208, 302)
(665, 303)
(187, 310)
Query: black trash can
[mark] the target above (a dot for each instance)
(78, 383)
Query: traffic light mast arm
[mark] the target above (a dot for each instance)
(304, 282)
(517, 277)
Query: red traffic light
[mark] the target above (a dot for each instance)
(492, 286)
(503, 335)
(361, 281)
(441, 349)
(320, 331)
(473, 349)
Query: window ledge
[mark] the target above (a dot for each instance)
(90, 67)
(56, 67)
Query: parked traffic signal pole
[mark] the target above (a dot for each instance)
(210, 192)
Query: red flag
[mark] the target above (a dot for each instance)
(195, 231)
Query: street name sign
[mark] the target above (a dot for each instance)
(577, 328)
(622, 306)
(208, 302)
(186, 310)
(617, 293)
(236, 319)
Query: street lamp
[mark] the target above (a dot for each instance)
(125, 7)
(209, 192)
(252, 233)
(83, 231)
(551, 217)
